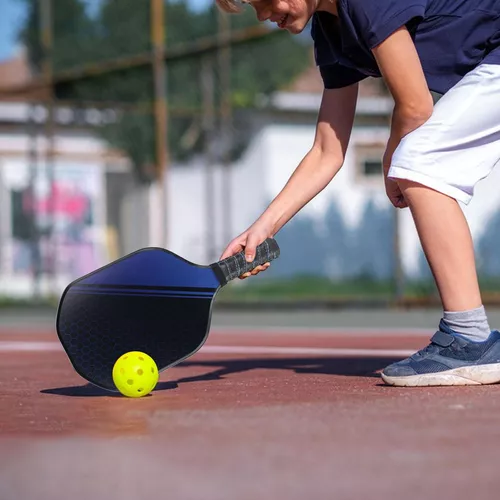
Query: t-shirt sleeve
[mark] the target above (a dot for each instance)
(336, 76)
(326, 53)
(375, 21)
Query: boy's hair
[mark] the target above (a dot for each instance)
(231, 6)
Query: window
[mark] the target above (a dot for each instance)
(372, 167)
(369, 162)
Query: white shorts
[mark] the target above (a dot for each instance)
(460, 143)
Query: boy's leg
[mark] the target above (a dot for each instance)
(434, 166)
(447, 243)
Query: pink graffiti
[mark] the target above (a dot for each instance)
(67, 200)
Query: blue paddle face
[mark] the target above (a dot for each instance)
(151, 301)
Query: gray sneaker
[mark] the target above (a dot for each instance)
(450, 359)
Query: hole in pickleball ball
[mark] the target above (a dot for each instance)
(139, 371)
(122, 371)
(152, 370)
(130, 381)
(141, 358)
(140, 389)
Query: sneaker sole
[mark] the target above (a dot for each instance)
(465, 375)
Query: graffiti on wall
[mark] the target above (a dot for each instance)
(54, 219)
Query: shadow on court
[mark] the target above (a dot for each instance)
(349, 366)
(219, 369)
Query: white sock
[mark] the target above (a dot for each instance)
(472, 324)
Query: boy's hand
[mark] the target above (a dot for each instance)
(391, 186)
(394, 193)
(249, 241)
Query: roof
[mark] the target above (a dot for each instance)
(15, 73)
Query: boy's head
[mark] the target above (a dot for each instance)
(292, 15)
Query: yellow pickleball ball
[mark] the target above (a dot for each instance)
(135, 374)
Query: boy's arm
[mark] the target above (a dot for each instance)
(401, 68)
(322, 162)
(314, 173)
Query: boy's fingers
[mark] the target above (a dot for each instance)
(231, 250)
(250, 249)
(255, 271)
(260, 268)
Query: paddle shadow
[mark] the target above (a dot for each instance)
(348, 366)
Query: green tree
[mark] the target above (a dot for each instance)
(73, 34)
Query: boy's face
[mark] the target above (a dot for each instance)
(292, 15)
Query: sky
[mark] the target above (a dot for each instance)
(10, 20)
(12, 17)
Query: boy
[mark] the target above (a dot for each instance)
(435, 154)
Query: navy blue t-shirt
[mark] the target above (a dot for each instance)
(452, 37)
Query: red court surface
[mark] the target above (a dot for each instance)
(266, 414)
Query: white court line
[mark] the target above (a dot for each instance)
(20, 346)
(299, 330)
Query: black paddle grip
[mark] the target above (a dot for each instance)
(236, 265)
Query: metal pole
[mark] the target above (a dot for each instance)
(47, 42)
(207, 87)
(34, 234)
(225, 110)
(160, 108)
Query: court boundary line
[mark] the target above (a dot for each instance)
(22, 346)
(280, 330)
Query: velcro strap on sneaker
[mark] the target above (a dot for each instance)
(442, 339)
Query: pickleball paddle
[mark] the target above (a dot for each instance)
(152, 301)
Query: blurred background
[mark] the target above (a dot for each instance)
(134, 123)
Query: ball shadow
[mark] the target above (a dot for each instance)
(90, 390)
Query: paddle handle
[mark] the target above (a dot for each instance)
(236, 265)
